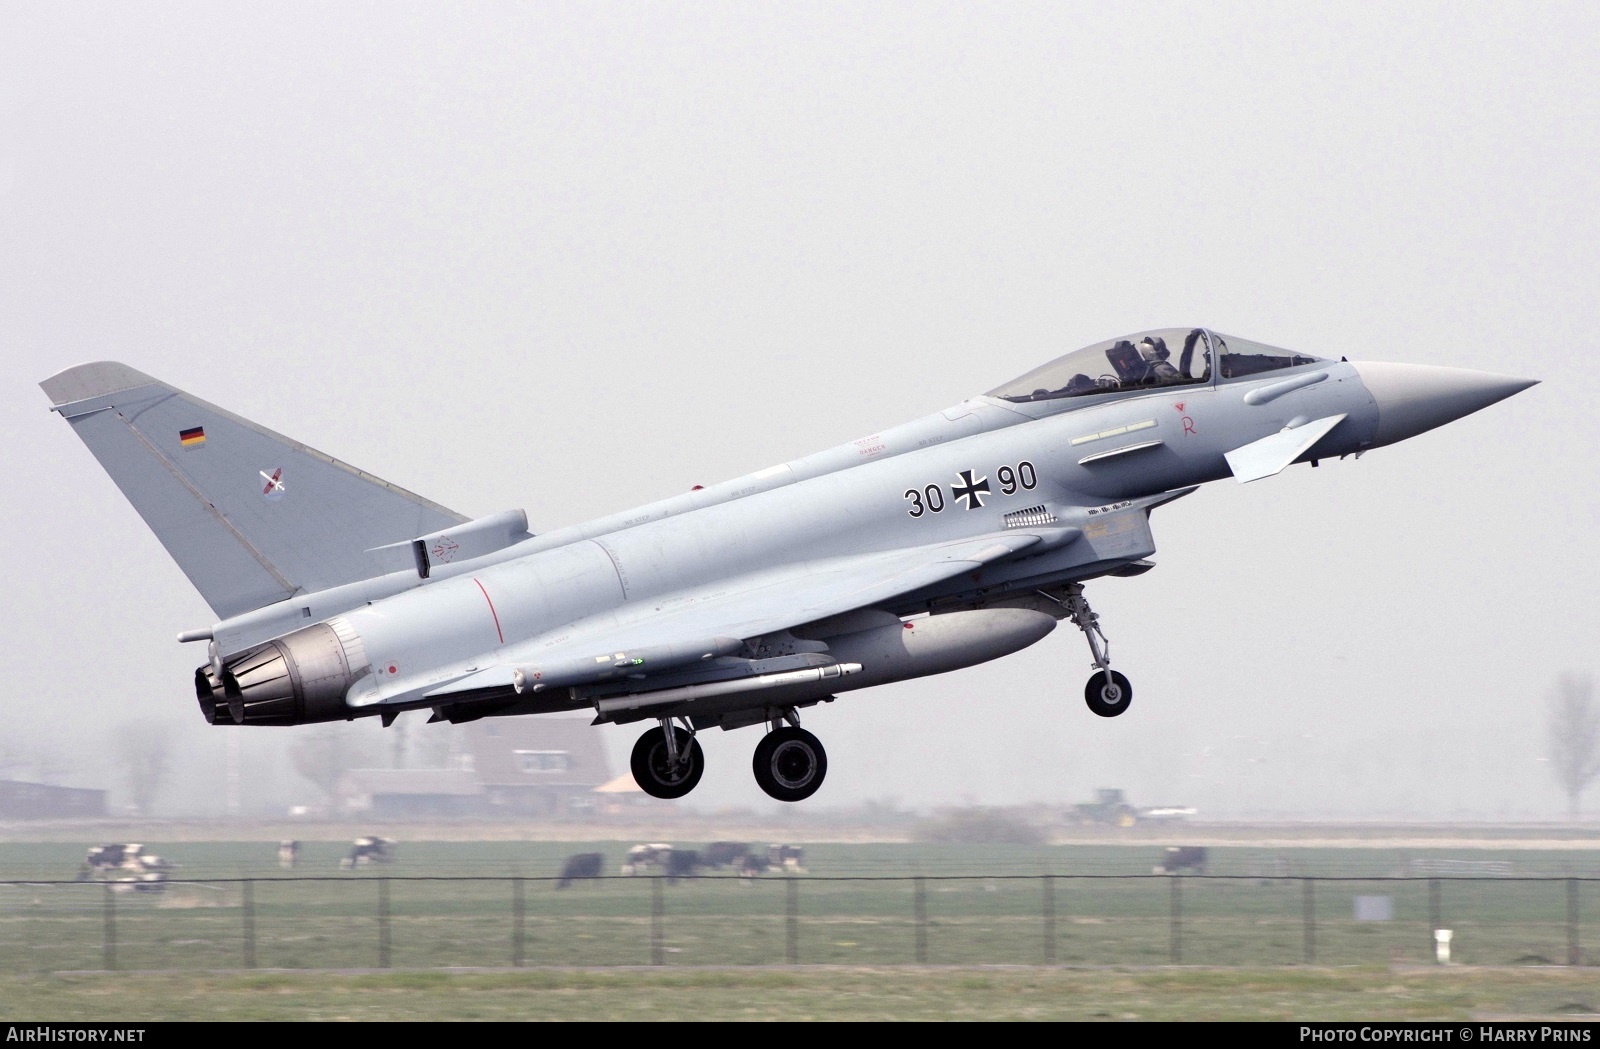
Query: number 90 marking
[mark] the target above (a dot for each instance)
(1023, 476)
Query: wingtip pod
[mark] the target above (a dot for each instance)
(84, 382)
(1415, 398)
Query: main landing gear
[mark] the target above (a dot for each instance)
(667, 761)
(789, 763)
(1107, 692)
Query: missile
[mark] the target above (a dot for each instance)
(810, 675)
(606, 666)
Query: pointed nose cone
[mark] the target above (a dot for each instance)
(1413, 398)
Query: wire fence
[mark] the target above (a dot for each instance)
(1080, 919)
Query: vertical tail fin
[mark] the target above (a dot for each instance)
(250, 516)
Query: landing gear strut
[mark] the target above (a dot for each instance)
(790, 762)
(667, 761)
(1107, 692)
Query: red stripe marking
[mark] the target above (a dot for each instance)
(492, 612)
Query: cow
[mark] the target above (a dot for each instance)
(752, 865)
(368, 850)
(581, 865)
(123, 861)
(127, 867)
(1179, 858)
(791, 858)
(150, 881)
(288, 854)
(101, 859)
(643, 859)
(721, 854)
(683, 863)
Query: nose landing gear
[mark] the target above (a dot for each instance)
(789, 762)
(1108, 692)
(667, 761)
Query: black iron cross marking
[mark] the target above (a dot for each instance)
(970, 490)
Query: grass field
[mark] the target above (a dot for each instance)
(231, 859)
(879, 930)
(815, 993)
(457, 904)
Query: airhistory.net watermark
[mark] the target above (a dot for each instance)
(72, 1033)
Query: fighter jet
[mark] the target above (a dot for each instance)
(939, 544)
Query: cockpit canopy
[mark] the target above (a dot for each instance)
(1164, 357)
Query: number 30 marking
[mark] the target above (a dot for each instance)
(934, 496)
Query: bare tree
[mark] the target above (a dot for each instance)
(430, 745)
(1574, 736)
(34, 761)
(323, 756)
(50, 766)
(144, 754)
(397, 741)
(13, 760)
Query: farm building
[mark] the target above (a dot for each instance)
(41, 801)
(500, 766)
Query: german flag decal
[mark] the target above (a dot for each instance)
(192, 438)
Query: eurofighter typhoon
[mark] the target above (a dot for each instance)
(940, 544)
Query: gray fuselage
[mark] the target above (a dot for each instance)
(953, 475)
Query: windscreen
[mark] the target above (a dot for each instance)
(1241, 357)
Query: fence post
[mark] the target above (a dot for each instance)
(791, 921)
(109, 941)
(1433, 916)
(1049, 919)
(658, 935)
(1573, 957)
(1310, 910)
(383, 923)
(249, 923)
(516, 922)
(920, 901)
(1177, 919)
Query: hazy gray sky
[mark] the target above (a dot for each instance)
(575, 257)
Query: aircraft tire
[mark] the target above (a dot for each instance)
(1108, 700)
(650, 768)
(790, 764)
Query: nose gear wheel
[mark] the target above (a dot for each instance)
(1107, 692)
(1108, 698)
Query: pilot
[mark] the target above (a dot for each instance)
(1126, 360)
(1158, 368)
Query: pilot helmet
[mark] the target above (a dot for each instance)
(1154, 348)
